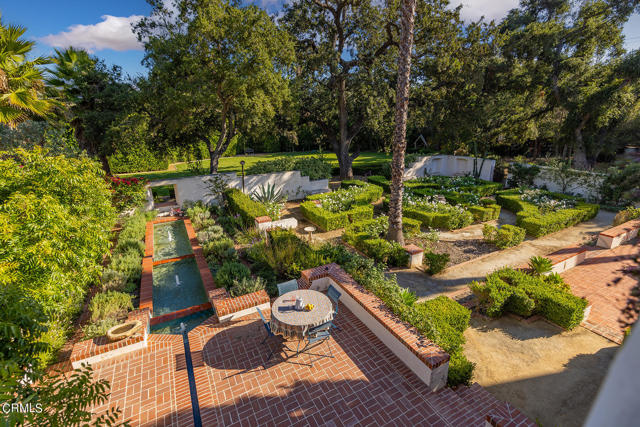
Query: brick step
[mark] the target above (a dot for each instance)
(453, 409)
(486, 407)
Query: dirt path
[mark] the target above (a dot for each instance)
(458, 276)
(552, 375)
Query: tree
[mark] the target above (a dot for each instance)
(571, 52)
(22, 90)
(341, 76)
(408, 10)
(216, 70)
(94, 95)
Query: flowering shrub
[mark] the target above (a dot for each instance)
(544, 201)
(127, 193)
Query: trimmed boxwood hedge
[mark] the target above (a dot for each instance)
(505, 236)
(243, 205)
(447, 221)
(518, 292)
(485, 213)
(327, 220)
(529, 217)
(380, 181)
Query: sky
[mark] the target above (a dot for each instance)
(104, 27)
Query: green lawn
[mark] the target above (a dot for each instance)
(232, 164)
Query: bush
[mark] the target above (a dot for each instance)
(241, 204)
(99, 328)
(626, 215)
(487, 212)
(380, 181)
(540, 265)
(389, 253)
(129, 245)
(110, 304)
(505, 236)
(536, 223)
(328, 220)
(231, 271)
(219, 251)
(315, 167)
(410, 226)
(460, 370)
(246, 285)
(435, 262)
(213, 232)
(621, 187)
(522, 175)
(113, 280)
(521, 293)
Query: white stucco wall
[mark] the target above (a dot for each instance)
(291, 183)
(586, 186)
(446, 165)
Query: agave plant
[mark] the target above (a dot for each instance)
(408, 297)
(540, 265)
(268, 195)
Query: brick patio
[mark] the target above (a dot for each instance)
(607, 282)
(364, 384)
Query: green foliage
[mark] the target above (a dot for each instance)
(110, 304)
(626, 215)
(435, 262)
(241, 204)
(540, 265)
(487, 212)
(315, 167)
(219, 251)
(231, 271)
(411, 226)
(524, 294)
(450, 220)
(538, 224)
(55, 228)
(369, 237)
(247, 285)
(328, 220)
(522, 175)
(212, 232)
(99, 328)
(408, 297)
(134, 153)
(113, 280)
(621, 187)
(505, 236)
(380, 181)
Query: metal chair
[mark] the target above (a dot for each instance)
(283, 288)
(334, 295)
(316, 336)
(270, 333)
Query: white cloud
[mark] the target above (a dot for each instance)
(472, 10)
(114, 32)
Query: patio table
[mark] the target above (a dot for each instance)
(294, 324)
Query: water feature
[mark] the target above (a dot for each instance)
(190, 321)
(177, 285)
(170, 240)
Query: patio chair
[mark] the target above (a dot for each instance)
(316, 336)
(270, 333)
(334, 295)
(283, 288)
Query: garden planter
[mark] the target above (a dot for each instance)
(124, 330)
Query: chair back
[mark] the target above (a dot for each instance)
(334, 294)
(283, 288)
(264, 322)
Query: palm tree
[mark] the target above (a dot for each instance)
(22, 89)
(408, 11)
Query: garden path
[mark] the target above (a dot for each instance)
(455, 278)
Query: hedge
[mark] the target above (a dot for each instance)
(515, 291)
(380, 181)
(368, 237)
(485, 213)
(447, 221)
(327, 220)
(505, 236)
(537, 224)
(410, 226)
(243, 205)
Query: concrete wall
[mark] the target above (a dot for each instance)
(194, 188)
(586, 185)
(446, 165)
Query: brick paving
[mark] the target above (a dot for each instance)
(608, 282)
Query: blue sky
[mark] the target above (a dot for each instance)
(103, 27)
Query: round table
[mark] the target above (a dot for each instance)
(294, 324)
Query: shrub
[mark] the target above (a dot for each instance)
(621, 187)
(522, 175)
(110, 304)
(246, 285)
(390, 253)
(113, 280)
(219, 251)
(128, 193)
(315, 167)
(231, 271)
(129, 264)
(487, 212)
(99, 328)
(505, 236)
(324, 219)
(130, 245)
(410, 226)
(435, 262)
(213, 232)
(540, 265)
(521, 293)
(241, 204)
(460, 370)
(408, 297)
(529, 216)
(380, 181)
(626, 215)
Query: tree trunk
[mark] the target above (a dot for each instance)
(344, 160)
(580, 152)
(408, 9)
(105, 164)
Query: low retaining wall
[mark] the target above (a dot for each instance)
(586, 186)
(427, 360)
(447, 165)
(265, 223)
(614, 237)
(194, 188)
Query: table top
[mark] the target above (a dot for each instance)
(283, 309)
